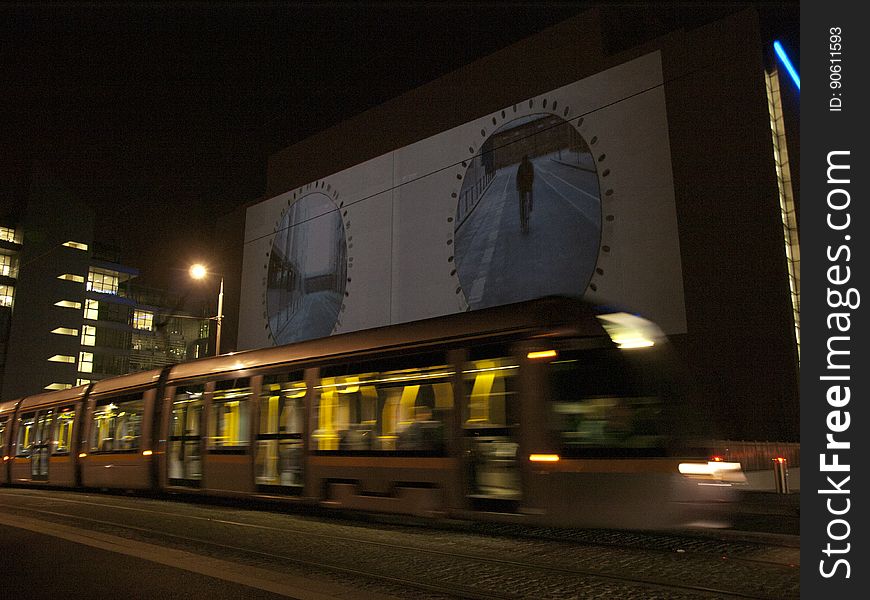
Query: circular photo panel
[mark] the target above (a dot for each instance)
(307, 271)
(528, 218)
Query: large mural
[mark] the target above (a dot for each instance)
(567, 193)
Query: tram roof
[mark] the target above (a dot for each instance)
(545, 316)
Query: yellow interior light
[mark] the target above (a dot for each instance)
(147, 453)
(76, 245)
(83, 454)
(544, 457)
(542, 354)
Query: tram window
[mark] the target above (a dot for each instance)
(490, 393)
(2, 433)
(62, 430)
(26, 433)
(186, 410)
(599, 403)
(117, 425)
(279, 436)
(386, 411)
(229, 424)
(282, 406)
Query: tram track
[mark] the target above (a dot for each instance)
(411, 553)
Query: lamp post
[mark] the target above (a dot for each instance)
(199, 271)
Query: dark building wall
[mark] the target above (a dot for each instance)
(229, 237)
(739, 346)
(740, 340)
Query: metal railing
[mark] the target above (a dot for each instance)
(757, 456)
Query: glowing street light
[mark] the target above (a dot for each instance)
(200, 271)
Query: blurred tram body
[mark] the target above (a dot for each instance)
(545, 412)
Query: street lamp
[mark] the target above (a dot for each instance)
(200, 271)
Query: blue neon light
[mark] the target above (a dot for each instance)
(780, 51)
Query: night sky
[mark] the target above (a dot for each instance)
(162, 115)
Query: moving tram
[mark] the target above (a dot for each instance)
(546, 412)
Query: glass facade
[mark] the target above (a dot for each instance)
(7, 295)
(103, 281)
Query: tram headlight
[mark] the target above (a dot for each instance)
(714, 470)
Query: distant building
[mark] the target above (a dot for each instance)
(69, 310)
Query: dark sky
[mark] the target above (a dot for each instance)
(162, 115)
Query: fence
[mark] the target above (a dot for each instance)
(757, 456)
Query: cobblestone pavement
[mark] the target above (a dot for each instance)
(461, 560)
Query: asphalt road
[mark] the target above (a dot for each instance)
(104, 546)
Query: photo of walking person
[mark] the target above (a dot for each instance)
(528, 217)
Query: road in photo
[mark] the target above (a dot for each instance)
(307, 271)
(497, 263)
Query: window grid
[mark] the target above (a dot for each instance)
(8, 265)
(7, 295)
(7, 234)
(89, 335)
(92, 309)
(86, 362)
(143, 319)
(105, 283)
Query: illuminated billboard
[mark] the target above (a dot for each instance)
(568, 193)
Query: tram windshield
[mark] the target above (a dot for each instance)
(602, 404)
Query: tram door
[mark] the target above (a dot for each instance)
(280, 454)
(40, 450)
(491, 431)
(185, 439)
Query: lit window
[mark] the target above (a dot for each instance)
(7, 234)
(103, 281)
(71, 277)
(117, 424)
(143, 319)
(58, 386)
(228, 423)
(62, 358)
(89, 335)
(92, 309)
(86, 362)
(65, 331)
(82, 381)
(63, 428)
(76, 245)
(68, 304)
(7, 294)
(9, 265)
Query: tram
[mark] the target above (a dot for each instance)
(548, 412)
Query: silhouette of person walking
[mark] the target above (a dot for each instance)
(525, 181)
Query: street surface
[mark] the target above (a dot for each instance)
(128, 546)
